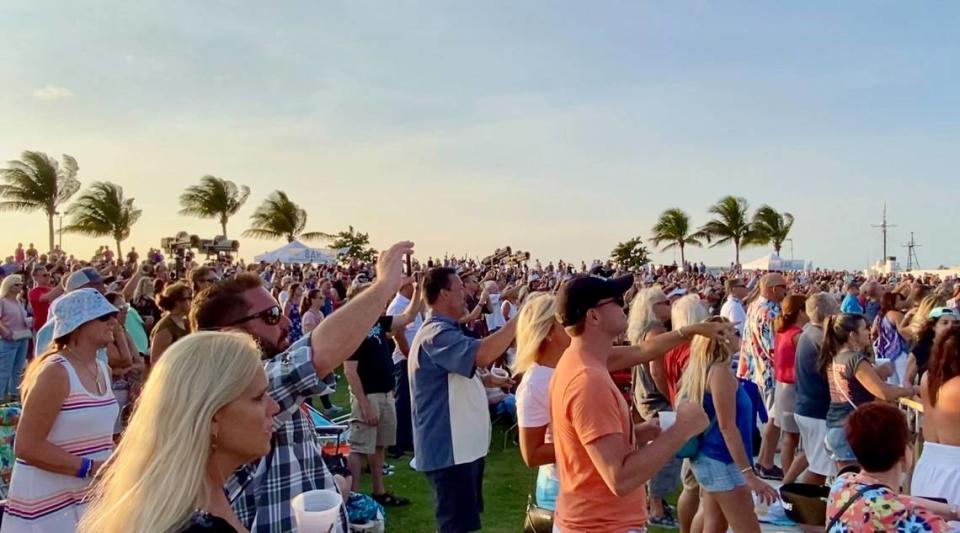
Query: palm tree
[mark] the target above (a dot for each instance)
(730, 224)
(37, 182)
(102, 210)
(277, 217)
(214, 198)
(771, 226)
(673, 228)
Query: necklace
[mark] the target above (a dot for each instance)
(101, 389)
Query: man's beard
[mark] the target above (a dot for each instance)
(270, 349)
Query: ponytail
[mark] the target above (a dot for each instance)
(829, 345)
(836, 333)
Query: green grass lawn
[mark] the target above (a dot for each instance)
(505, 484)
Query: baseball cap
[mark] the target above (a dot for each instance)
(676, 293)
(82, 278)
(938, 312)
(582, 293)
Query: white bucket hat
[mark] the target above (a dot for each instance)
(76, 308)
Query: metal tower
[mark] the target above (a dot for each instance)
(912, 253)
(884, 226)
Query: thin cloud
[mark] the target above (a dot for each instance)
(51, 92)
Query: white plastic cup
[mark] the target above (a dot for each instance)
(317, 511)
(499, 372)
(667, 419)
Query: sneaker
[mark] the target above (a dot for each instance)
(774, 473)
(669, 510)
(389, 500)
(665, 522)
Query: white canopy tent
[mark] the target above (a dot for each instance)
(773, 262)
(298, 253)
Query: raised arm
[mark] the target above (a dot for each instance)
(629, 356)
(492, 347)
(401, 321)
(341, 333)
(132, 283)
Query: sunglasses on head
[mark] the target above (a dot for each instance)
(271, 316)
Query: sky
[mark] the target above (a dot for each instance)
(560, 128)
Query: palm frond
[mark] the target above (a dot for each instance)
(39, 180)
(317, 235)
(262, 234)
(278, 216)
(103, 210)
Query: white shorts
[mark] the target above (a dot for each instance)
(937, 472)
(813, 431)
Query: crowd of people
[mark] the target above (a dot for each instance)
(169, 396)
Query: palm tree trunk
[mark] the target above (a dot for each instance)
(50, 230)
(119, 252)
(683, 258)
(736, 248)
(223, 226)
(776, 248)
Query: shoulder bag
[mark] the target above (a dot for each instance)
(536, 519)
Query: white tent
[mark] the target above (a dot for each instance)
(773, 262)
(299, 253)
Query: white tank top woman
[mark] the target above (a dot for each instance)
(40, 501)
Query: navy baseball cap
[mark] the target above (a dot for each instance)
(583, 293)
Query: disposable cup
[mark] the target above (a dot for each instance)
(317, 511)
(667, 419)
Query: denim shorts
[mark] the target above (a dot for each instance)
(716, 476)
(837, 445)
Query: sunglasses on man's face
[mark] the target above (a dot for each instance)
(618, 300)
(271, 316)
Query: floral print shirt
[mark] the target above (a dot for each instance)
(879, 509)
(756, 348)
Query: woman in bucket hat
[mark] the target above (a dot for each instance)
(66, 428)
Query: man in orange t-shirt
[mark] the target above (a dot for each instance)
(602, 472)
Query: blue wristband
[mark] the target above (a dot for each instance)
(85, 465)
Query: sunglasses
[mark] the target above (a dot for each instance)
(618, 300)
(271, 316)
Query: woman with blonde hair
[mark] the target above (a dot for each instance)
(541, 341)
(649, 317)
(66, 428)
(203, 413)
(723, 465)
(15, 336)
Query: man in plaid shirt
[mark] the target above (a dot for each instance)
(261, 492)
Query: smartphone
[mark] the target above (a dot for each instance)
(407, 267)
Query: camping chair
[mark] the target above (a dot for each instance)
(333, 435)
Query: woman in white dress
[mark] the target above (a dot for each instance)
(66, 428)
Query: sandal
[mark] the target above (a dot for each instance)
(389, 500)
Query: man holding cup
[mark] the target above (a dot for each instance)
(604, 473)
